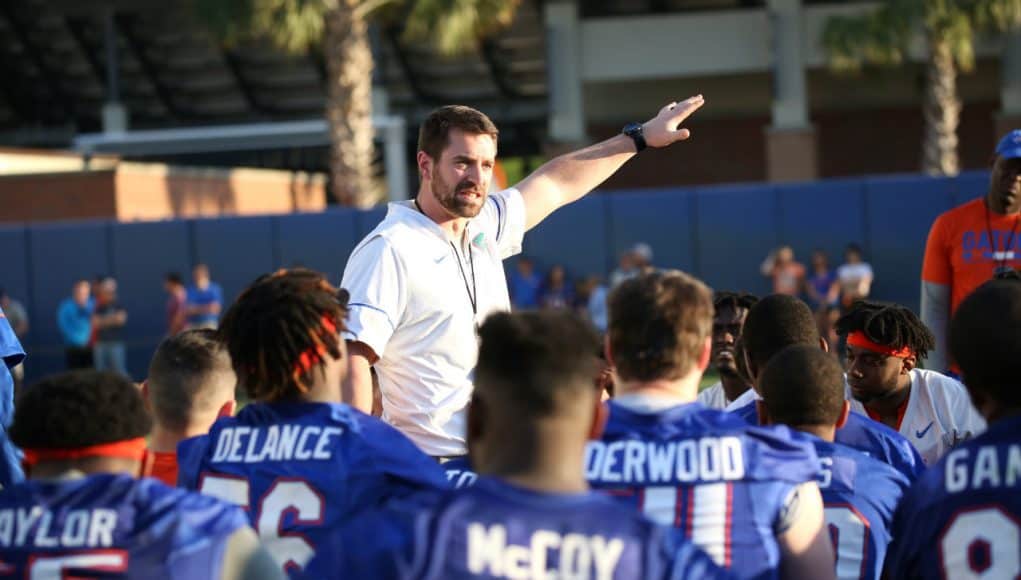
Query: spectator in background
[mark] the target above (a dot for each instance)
(971, 244)
(74, 318)
(821, 286)
(177, 299)
(854, 277)
(788, 275)
(108, 320)
(625, 269)
(557, 292)
(525, 284)
(592, 300)
(204, 300)
(17, 317)
(637, 260)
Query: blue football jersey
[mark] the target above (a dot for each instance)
(112, 526)
(962, 517)
(459, 472)
(860, 495)
(708, 473)
(301, 468)
(496, 530)
(11, 354)
(870, 437)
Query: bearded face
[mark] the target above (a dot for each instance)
(463, 200)
(460, 178)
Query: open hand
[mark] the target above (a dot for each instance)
(664, 128)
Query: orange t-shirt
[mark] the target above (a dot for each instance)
(960, 253)
(161, 465)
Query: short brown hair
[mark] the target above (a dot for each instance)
(434, 134)
(659, 323)
(180, 374)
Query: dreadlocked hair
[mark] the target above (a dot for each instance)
(888, 324)
(734, 300)
(280, 330)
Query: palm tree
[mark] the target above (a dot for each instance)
(949, 27)
(340, 29)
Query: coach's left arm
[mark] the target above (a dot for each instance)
(569, 177)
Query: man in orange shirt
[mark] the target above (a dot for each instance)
(971, 244)
(191, 384)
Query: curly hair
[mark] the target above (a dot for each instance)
(888, 324)
(734, 300)
(77, 409)
(280, 330)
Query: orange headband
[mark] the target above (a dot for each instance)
(858, 339)
(128, 449)
(314, 353)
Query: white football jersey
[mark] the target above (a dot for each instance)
(713, 397)
(938, 417)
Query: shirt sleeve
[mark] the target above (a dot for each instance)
(374, 277)
(503, 219)
(936, 264)
(935, 311)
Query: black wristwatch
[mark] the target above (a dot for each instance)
(634, 130)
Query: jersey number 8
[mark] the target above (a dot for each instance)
(983, 543)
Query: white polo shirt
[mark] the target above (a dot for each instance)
(749, 396)
(939, 415)
(714, 397)
(410, 303)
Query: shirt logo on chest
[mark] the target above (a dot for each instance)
(922, 433)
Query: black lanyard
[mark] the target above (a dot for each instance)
(1001, 263)
(472, 292)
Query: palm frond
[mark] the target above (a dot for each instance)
(454, 26)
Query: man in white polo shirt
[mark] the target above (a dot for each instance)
(431, 272)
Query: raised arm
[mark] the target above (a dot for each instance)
(569, 177)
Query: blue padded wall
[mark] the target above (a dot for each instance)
(826, 216)
(664, 219)
(237, 250)
(574, 236)
(736, 226)
(900, 211)
(321, 242)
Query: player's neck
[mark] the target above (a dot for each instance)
(428, 205)
(996, 206)
(888, 407)
(733, 385)
(163, 440)
(826, 433)
(322, 391)
(1003, 414)
(548, 462)
(684, 389)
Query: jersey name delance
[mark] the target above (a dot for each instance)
(274, 443)
(688, 461)
(565, 555)
(82, 528)
(983, 468)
